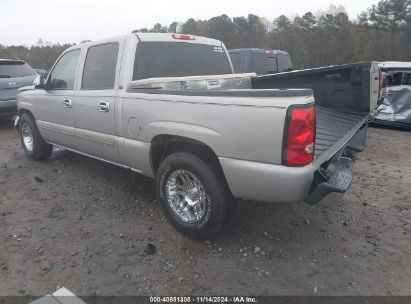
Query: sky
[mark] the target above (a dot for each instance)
(71, 21)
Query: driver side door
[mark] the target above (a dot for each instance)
(54, 105)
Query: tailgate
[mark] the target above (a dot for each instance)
(333, 130)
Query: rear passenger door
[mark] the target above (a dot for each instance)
(95, 101)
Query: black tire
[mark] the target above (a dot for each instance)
(219, 202)
(40, 150)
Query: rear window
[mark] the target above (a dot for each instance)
(179, 59)
(13, 69)
(398, 78)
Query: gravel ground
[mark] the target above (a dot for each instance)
(76, 222)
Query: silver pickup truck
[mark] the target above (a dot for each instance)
(169, 106)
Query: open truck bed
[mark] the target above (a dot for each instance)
(345, 95)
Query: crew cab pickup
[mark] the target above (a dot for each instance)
(168, 106)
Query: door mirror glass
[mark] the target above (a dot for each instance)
(58, 84)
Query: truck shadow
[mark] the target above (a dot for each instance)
(253, 222)
(6, 129)
(106, 173)
(6, 123)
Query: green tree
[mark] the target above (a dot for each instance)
(222, 28)
(173, 27)
(190, 27)
(158, 28)
(392, 16)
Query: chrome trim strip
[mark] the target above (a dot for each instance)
(96, 136)
(80, 133)
(55, 127)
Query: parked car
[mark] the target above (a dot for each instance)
(260, 61)
(14, 73)
(395, 109)
(169, 106)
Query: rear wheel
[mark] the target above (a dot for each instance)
(33, 144)
(192, 195)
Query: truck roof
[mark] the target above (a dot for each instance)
(167, 37)
(170, 37)
(394, 65)
(256, 50)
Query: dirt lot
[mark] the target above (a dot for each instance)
(76, 222)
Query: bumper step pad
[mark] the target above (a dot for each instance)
(338, 179)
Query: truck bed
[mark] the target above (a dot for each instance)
(332, 126)
(344, 96)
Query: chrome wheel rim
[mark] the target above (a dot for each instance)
(27, 137)
(186, 196)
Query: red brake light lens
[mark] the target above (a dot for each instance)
(183, 37)
(300, 136)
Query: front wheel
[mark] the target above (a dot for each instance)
(192, 194)
(33, 144)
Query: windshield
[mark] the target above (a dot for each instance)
(179, 59)
(13, 69)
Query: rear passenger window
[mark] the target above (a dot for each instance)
(272, 65)
(236, 60)
(258, 63)
(100, 67)
(284, 63)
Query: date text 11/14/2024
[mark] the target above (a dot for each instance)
(204, 299)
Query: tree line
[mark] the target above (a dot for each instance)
(382, 32)
(42, 55)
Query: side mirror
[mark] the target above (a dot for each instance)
(39, 82)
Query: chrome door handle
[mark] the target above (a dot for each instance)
(67, 103)
(103, 106)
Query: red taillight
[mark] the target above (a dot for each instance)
(183, 37)
(299, 136)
